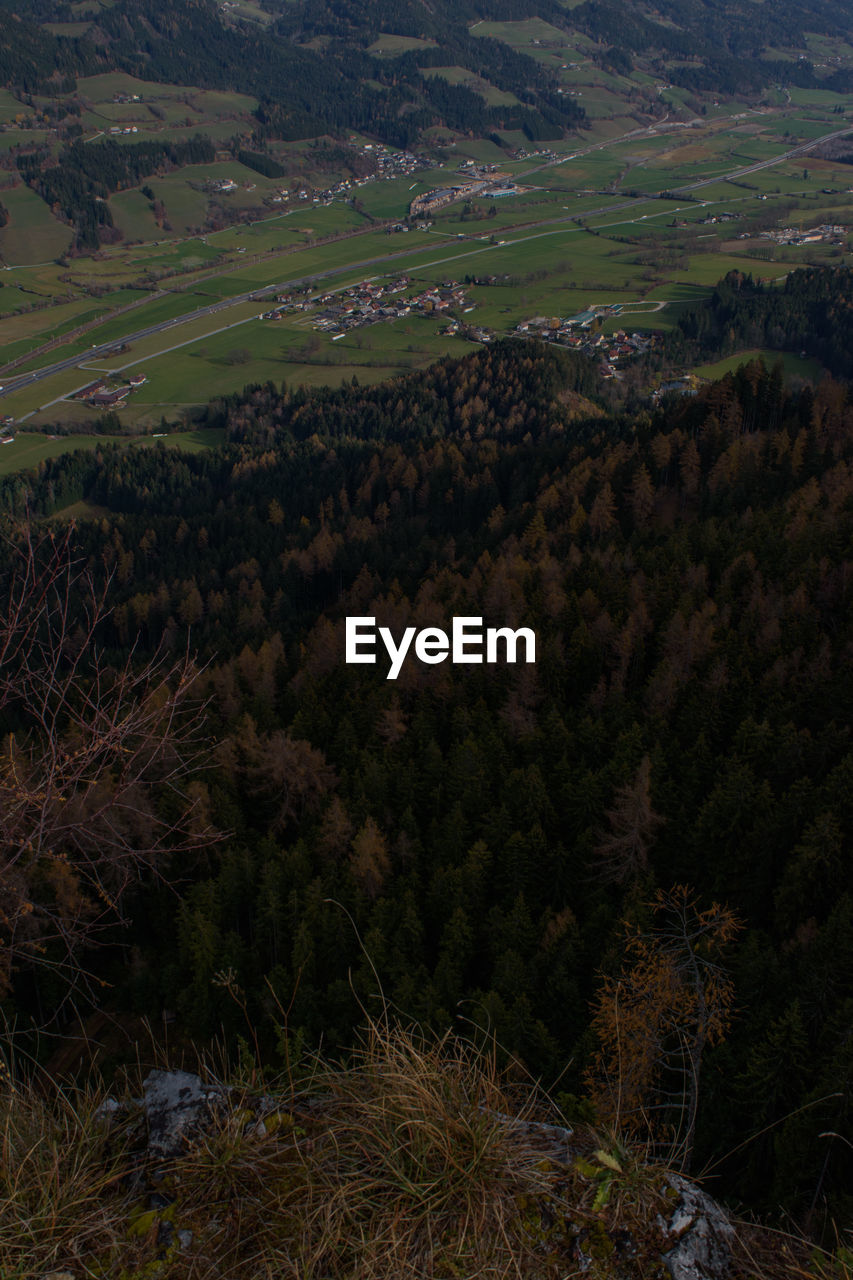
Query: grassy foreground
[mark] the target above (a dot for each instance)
(416, 1159)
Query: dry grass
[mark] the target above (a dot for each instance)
(762, 1253)
(414, 1159)
(398, 1165)
(59, 1172)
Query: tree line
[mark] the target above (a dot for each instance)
(812, 312)
(77, 185)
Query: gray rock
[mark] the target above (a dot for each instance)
(176, 1106)
(704, 1236)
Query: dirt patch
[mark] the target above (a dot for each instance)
(823, 165)
(690, 151)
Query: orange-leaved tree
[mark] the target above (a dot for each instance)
(655, 1019)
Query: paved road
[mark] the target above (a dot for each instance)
(98, 352)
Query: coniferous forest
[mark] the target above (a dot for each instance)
(442, 965)
(651, 823)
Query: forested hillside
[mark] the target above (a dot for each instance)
(314, 67)
(78, 185)
(491, 829)
(303, 92)
(812, 312)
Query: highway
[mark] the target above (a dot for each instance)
(98, 352)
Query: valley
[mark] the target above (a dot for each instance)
(647, 205)
(342, 329)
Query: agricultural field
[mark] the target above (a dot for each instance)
(530, 33)
(461, 75)
(794, 365)
(587, 227)
(391, 46)
(32, 233)
(10, 107)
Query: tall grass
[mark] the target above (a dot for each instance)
(414, 1160)
(397, 1165)
(60, 1169)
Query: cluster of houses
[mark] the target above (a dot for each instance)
(283, 196)
(128, 128)
(827, 233)
(389, 164)
(100, 395)
(471, 169)
(577, 333)
(431, 201)
(395, 164)
(473, 332)
(286, 302)
(714, 218)
(7, 429)
(405, 226)
(521, 153)
(370, 303)
(221, 186)
(489, 188)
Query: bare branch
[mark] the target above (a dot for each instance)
(94, 759)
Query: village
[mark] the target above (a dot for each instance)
(389, 164)
(489, 186)
(583, 333)
(370, 303)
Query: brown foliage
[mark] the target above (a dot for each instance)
(654, 1020)
(288, 774)
(92, 760)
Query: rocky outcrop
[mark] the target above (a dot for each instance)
(177, 1105)
(703, 1233)
(697, 1238)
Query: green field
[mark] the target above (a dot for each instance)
(390, 45)
(29, 448)
(461, 75)
(10, 107)
(544, 261)
(794, 366)
(32, 233)
(289, 350)
(522, 35)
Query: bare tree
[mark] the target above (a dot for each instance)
(95, 759)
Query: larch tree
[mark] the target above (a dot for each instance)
(654, 1020)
